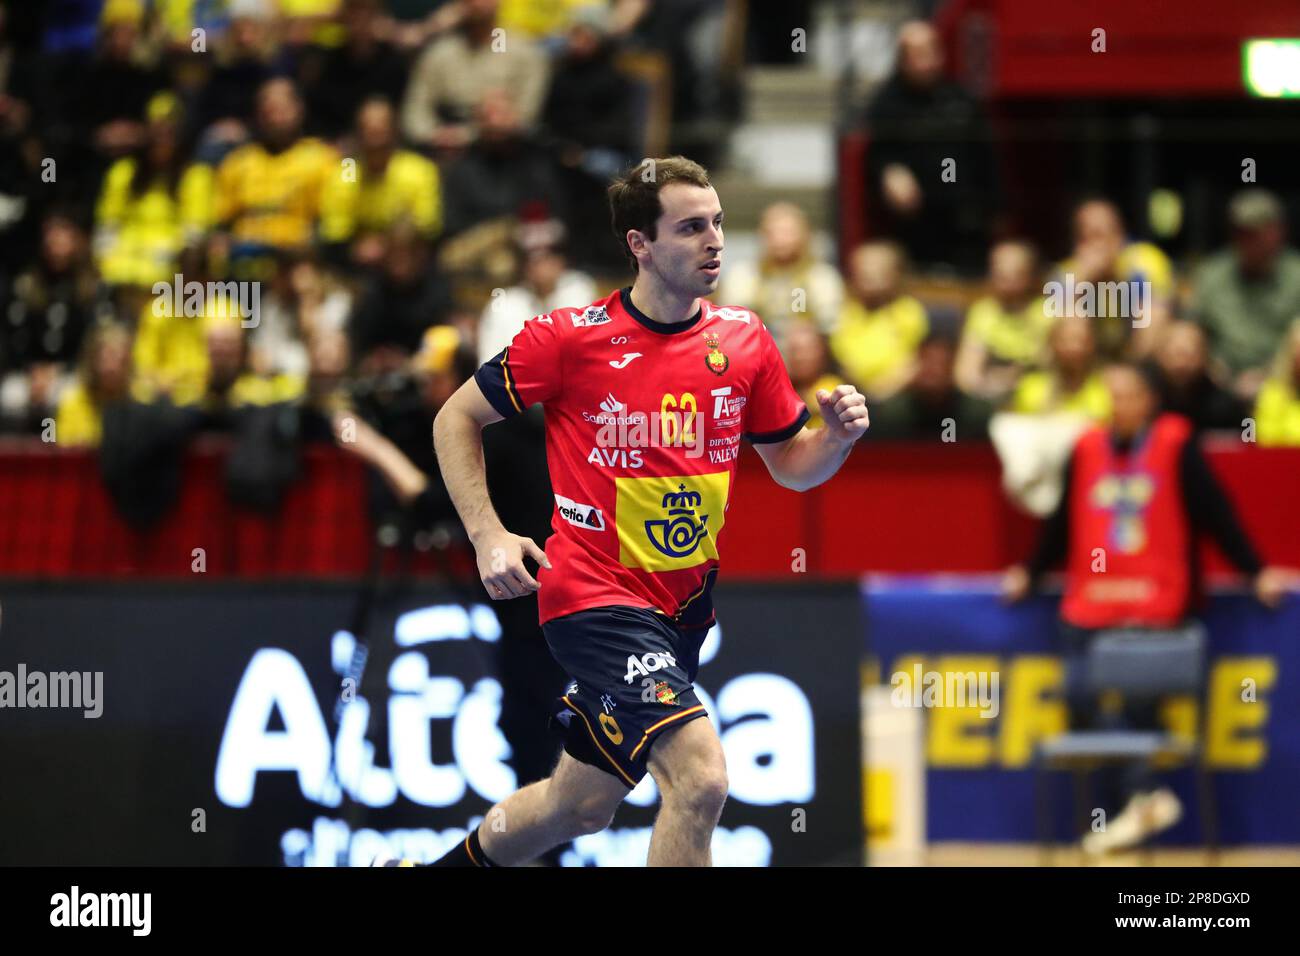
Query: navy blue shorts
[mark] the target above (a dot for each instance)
(630, 679)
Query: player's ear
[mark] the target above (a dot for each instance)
(637, 241)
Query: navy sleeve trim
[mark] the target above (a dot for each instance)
(781, 434)
(497, 384)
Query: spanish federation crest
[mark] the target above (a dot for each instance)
(666, 695)
(716, 361)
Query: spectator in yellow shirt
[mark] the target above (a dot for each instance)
(1277, 408)
(789, 281)
(879, 328)
(269, 191)
(1103, 254)
(103, 377)
(152, 204)
(229, 383)
(1072, 382)
(169, 355)
(379, 188)
(1005, 332)
(312, 21)
(540, 19)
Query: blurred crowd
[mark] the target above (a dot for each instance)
(221, 206)
(1223, 340)
(1220, 335)
(224, 204)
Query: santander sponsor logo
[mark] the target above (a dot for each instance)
(610, 413)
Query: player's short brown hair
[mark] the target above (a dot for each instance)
(634, 196)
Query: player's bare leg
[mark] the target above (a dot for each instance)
(689, 766)
(575, 800)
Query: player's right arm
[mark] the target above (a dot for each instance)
(525, 372)
(458, 441)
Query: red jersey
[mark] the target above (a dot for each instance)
(643, 429)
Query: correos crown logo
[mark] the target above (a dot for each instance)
(669, 523)
(678, 534)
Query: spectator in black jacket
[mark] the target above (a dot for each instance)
(245, 58)
(363, 67)
(504, 173)
(108, 101)
(917, 123)
(21, 153)
(1182, 371)
(91, 112)
(931, 407)
(405, 298)
(591, 126)
(45, 312)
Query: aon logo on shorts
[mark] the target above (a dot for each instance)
(646, 664)
(669, 523)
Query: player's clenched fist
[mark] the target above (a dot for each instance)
(501, 565)
(844, 411)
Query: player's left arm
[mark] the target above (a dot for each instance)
(811, 456)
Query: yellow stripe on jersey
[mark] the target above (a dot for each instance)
(515, 398)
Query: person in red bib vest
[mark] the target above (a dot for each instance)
(1137, 493)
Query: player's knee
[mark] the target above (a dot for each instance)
(701, 792)
(589, 814)
(581, 813)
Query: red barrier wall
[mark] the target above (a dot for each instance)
(900, 508)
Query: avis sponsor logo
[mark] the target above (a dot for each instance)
(726, 408)
(584, 516)
(593, 315)
(615, 457)
(75, 908)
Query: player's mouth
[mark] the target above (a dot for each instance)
(712, 268)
